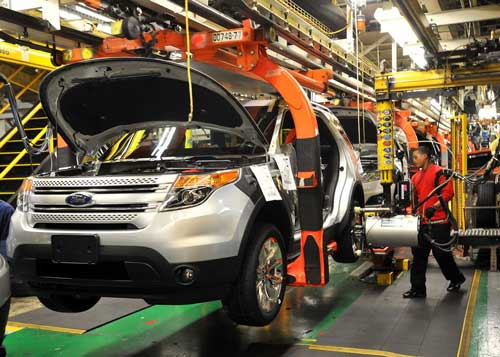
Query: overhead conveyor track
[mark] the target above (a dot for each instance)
(302, 30)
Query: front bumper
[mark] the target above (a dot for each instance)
(134, 272)
(141, 263)
(209, 231)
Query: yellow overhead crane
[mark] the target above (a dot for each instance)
(26, 56)
(396, 83)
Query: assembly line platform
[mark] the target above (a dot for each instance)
(346, 318)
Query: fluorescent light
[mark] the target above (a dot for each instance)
(487, 112)
(106, 28)
(400, 30)
(92, 14)
(435, 104)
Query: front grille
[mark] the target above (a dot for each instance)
(100, 190)
(115, 200)
(95, 181)
(133, 207)
(83, 217)
(87, 226)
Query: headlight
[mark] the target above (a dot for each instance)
(191, 190)
(23, 195)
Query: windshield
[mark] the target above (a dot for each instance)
(171, 141)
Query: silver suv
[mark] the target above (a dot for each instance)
(4, 299)
(165, 209)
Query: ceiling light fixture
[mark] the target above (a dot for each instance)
(68, 15)
(92, 14)
(400, 30)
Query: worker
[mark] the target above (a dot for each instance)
(6, 212)
(435, 225)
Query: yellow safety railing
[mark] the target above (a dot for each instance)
(307, 17)
(24, 90)
(20, 156)
(14, 130)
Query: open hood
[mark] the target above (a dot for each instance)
(90, 102)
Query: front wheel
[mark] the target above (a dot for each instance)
(258, 294)
(69, 303)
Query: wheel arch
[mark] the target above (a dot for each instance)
(274, 212)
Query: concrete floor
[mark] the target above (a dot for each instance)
(346, 318)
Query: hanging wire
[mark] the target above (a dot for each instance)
(188, 62)
(363, 100)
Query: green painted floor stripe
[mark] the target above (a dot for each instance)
(143, 328)
(122, 337)
(347, 290)
(478, 344)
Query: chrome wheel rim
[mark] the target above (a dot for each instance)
(269, 282)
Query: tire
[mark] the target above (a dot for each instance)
(69, 303)
(346, 246)
(4, 314)
(486, 218)
(243, 305)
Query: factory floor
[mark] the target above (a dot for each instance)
(347, 318)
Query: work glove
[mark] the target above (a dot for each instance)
(429, 212)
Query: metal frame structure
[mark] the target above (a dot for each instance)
(400, 85)
(391, 87)
(459, 164)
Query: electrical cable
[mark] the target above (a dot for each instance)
(338, 31)
(31, 148)
(188, 61)
(342, 28)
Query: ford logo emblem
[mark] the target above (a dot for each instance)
(80, 199)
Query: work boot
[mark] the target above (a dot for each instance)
(455, 285)
(412, 294)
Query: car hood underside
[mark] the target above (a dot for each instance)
(89, 102)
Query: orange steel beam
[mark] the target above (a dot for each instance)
(237, 55)
(402, 121)
(244, 50)
(431, 129)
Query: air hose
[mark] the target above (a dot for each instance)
(31, 148)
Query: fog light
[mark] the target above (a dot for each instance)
(185, 275)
